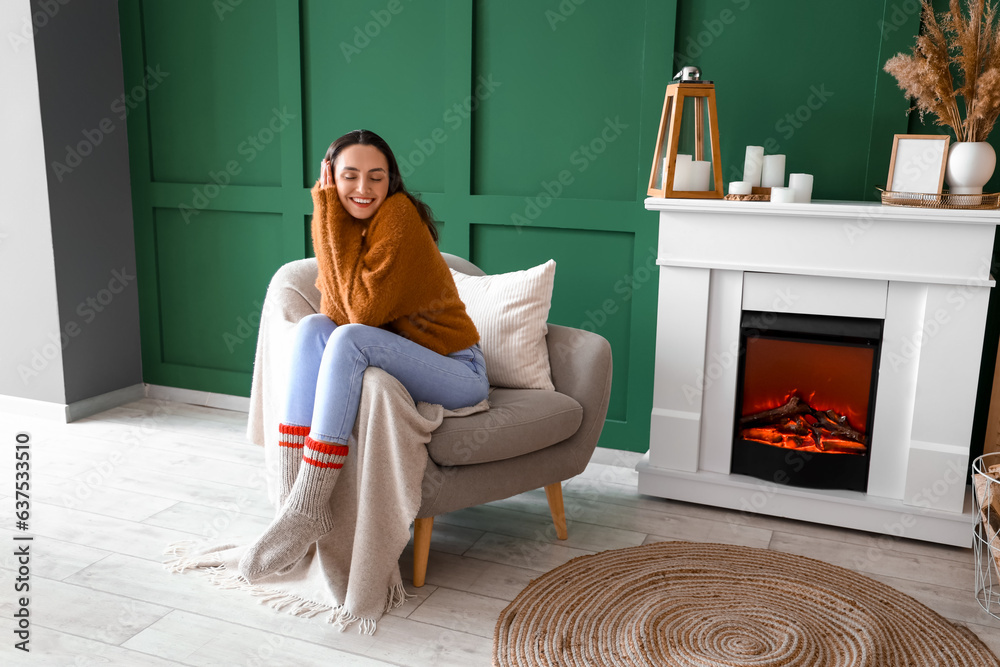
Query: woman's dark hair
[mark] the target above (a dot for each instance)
(369, 138)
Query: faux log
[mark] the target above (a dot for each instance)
(764, 435)
(837, 425)
(830, 431)
(798, 426)
(794, 406)
(844, 446)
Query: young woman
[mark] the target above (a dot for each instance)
(387, 300)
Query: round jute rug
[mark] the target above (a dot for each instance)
(713, 605)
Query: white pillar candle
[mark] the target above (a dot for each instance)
(682, 173)
(701, 176)
(782, 195)
(802, 184)
(740, 188)
(752, 165)
(773, 173)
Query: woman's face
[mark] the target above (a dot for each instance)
(361, 174)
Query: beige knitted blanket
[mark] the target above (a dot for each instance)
(352, 573)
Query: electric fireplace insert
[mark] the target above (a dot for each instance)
(806, 399)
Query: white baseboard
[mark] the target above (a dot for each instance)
(196, 397)
(29, 407)
(848, 509)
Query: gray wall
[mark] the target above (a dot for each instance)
(67, 265)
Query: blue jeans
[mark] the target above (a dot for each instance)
(329, 362)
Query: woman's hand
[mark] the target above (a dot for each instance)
(325, 174)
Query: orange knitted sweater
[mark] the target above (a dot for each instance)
(387, 272)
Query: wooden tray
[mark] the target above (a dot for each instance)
(756, 194)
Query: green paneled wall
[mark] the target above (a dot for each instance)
(385, 72)
(562, 106)
(219, 93)
(209, 293)
(528, 126)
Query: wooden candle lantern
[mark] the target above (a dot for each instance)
(689, 120)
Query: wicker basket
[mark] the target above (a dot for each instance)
(946, 200)
(986, 531)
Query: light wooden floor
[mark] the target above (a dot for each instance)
(109, 492)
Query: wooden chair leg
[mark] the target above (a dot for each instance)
(554, 494)
(421, 548)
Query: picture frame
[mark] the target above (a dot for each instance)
(918, 163)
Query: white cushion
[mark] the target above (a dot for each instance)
(509, 311)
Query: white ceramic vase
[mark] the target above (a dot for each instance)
(970, 166)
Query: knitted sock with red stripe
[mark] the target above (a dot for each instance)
(303, 518)
(290, 443)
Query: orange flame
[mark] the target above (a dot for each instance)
(804, 432)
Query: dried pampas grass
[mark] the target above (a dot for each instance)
(970, 42)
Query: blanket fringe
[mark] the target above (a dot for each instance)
(180, 559)
(340, 617)
(396, 597)
(179, 548)
(277, 600)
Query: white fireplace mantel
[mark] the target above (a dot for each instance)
(924, 272)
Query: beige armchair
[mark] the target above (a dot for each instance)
(528, 439)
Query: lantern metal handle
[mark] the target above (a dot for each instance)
(689, 73)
